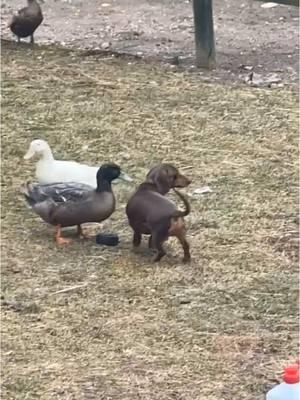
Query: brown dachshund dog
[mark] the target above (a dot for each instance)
(149, 212)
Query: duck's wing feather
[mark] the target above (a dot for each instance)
(57, 192)
(69, 191)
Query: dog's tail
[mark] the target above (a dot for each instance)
(186, 204)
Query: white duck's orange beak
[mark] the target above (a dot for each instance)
(30, 153)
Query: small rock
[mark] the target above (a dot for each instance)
(202, 190)
(246, 67)
(278, 85)
(269, 5)
(259, 80)
(184, 301)
(105, 45)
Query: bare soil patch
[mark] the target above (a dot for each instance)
(246, 34)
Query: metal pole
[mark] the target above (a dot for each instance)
(204, 33)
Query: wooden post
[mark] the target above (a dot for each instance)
(204, 33)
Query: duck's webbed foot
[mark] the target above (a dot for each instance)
(59, 239)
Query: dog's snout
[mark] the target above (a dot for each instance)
(182, 181)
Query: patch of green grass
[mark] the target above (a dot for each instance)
(220, 328)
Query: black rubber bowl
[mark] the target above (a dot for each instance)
(108, 239)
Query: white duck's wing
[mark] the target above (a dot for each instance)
(83, 173)
(65, 171)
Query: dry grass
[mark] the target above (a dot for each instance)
(220, 328)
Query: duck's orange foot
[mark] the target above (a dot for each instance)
(60, 240)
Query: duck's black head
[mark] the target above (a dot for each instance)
(106, 174)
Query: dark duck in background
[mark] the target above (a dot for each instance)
(27, 20)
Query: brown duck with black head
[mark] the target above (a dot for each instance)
(70, 204)
(27, 20)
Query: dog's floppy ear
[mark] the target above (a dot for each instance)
(151, 176)
(163, 181)
(162, 177)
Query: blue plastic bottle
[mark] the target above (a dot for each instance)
(289, 389)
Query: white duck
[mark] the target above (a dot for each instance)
(48, 170)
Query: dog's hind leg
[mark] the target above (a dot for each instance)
(185, 246)
(137, 237)
(160, 250)
(158, 237)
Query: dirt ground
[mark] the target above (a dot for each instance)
(246, 33)
(220, 328)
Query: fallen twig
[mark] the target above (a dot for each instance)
(69, 289)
